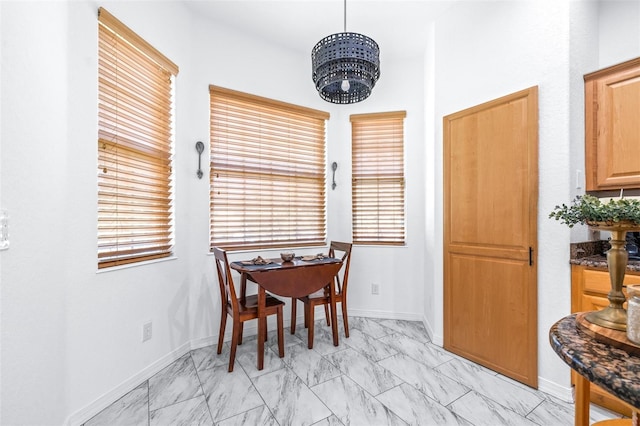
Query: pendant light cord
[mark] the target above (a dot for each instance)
(345, 16)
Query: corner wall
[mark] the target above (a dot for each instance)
(583, 59)
(505, 47)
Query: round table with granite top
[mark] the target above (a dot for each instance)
(607, 366)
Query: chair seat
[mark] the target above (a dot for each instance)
(251, 303)
(317, 295)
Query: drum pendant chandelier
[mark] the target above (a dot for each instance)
(346, 66)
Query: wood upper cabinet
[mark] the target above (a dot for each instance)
(612, 127)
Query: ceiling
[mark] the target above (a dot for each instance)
(400, 27)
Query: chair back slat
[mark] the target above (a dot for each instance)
(227, 289)
(344, 253)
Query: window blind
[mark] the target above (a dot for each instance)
(135, 186)
(378, 178)
(267, 172)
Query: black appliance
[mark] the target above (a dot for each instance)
(633, 245)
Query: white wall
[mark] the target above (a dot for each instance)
(70, 334)
(1, 204)
(506, 47)
(619, 24)
(35, 188)
(582, 60)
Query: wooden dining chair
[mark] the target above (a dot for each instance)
(321, 297)
(241, 309)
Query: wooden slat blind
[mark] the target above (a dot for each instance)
(135, 212)
(378, 178)
(267, 172)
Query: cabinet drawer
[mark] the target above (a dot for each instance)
(599, 281)
(630, 279)
(593, 303)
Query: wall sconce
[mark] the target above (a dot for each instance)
(200, 149)
(334, 166)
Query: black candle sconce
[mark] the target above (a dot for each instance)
(200, 149)
(334, 166)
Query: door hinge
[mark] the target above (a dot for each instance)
(530, 256)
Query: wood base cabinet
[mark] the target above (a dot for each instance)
(589, 289)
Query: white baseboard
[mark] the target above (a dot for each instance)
(385, 314)
(436, 339)
(203, 342)
(561, 392)
(86, 413)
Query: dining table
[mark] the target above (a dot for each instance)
(300, 277)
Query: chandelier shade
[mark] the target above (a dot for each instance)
(346, 66)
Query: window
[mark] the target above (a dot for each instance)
(378, 178)
(135, 214)
(268, 183)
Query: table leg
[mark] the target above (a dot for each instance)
(334, 315)
(262, 325)
(243, 287)
(583, 400)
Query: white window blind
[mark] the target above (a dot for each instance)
(135, 214)
(267, 172)
(378, 183)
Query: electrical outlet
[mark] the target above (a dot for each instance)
(147, 331)
(375, 288)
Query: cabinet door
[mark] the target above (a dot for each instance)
(612, 102)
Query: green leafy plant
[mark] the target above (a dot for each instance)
(586, 209)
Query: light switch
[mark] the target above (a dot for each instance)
(4, 230)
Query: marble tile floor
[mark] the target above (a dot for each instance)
(387, 373)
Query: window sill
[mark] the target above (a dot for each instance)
(135, 265)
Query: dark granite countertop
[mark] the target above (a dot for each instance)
(604, 365)
(591, 253)
(600, 261)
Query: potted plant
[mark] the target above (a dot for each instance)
(617, 216)
(589, 210)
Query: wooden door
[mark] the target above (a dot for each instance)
(490, 226)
